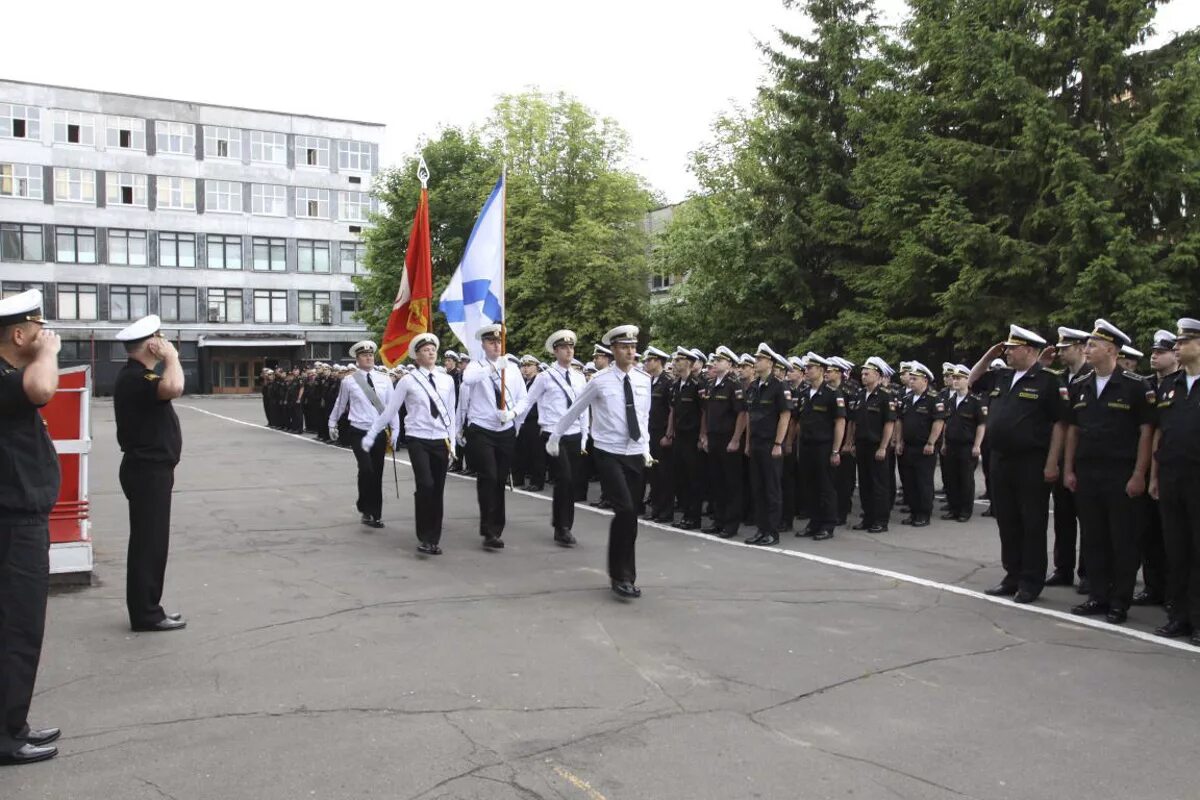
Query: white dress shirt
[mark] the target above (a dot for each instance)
(362, 410)
(554, 390)
(605, 397)
(480, 382)
(416, 394)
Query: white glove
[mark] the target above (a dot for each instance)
(552, 446)
(395, 440)
(333, 432)
(462, 438)
(367, 443)
(506, 416)
(649, 459)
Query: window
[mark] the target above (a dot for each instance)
(127, 248)
(127, 302)
(177, 249)
(222, 143)
(74, 185)
(352, 256)
(225, 196)
(178, 138)
(224, 305)
(312, 256)
(268, 200)
(177, 304)
(270, 305)
(75, 350)
(189, 351)
(20, 122)
(21, 180)
(75, 245)
(9, 289)
(312, 203)
(224, 252)
(270, 255)
(126, 133)
(354, 156)
(77, 301)
(176, 193)
(20, 242)
(125, 189)
(314, 308)
(312, 151)
(353, 206)
(320, 351)
(350, 307)
(268, 147)
(74, 127)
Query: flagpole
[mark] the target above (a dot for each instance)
(423, 177)
(503, 279)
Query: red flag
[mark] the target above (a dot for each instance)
(411, 311)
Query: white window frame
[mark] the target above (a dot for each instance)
(136, 128)
(74, 185)
(268, 200)
(130, 292)
(267, 147)
(223, 197)
(314, 300)
(180, 134)
(356, 262)
(64, 119)
(128, 237)
(30, 115)
(305, 195)
(273, 296)
(77, 234)
(359, 201)
(354, 156)
(21, 180)
(116, 181)
(178, 246)
(226, 302)
(165, 295)
(225, 244)
(313, 246)
(232, 137)
(78, 291)
(318, 143)
(272, 244)
(167, 188)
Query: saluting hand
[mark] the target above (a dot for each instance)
(46, 343)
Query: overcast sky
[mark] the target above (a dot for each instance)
(662, 68)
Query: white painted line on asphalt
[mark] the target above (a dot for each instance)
(1061, 616)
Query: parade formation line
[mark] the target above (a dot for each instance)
(1061, 616)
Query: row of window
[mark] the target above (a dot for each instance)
(81, 302)
(132, 248)
(179, 138)
(179, 194)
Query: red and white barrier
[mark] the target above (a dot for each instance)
(68, 417)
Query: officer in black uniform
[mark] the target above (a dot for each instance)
(1071, 343)
(529, 461)
(1175, 482)
(1026, 428)
(873, 410)
(920, 430)
(723, 441)
(768, 414)
(1164, 362)
(838, 377)
(661, 501)
(822, 413)
(683, 432)
(962, 444)
(149, 435)
(1106, 464)
(29, 482)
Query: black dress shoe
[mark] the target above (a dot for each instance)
(664, 520)
(688, 525)
(822, 535)
(564, 537)
(727, 534)
(175, 615)
(1174, 629)
(371, 522)
(425, 548)
(1001, 590)
(434, 550)
(164, 625)
(756, 538)
(1024, 596)
(1090, 608)
(1060, 579)
(1145, 598)
(906, 521)
(27, 754)
(626, 590)
(949, 515)
(493, 543)
(877, 529)
(963, 518)
(920, 522)
(768, 540)
(711, 529)
(1084, 587)
(43, 737)
(1116, 616)
(861, 526)
(987, 512)
(366, 519)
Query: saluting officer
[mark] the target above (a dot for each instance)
(962, 444)
(722, 440)
(1026, 420)
(920, 429)
(822, 422)
(1070, 351)
(149, 435)
(874, 414)
(1107, 458)
(683, 434)
(29, 483)
(1164, 361)
(661, 477)
(768, 415)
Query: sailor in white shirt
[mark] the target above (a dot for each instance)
(554, 390)
(365, 393)
(491, 389)
(619, 399)
(430, 431)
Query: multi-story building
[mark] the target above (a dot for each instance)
(655, 224)
(239, 227)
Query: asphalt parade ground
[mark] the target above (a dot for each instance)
(324, 659)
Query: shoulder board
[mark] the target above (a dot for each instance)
(787, 394)
(1134, 375)
(152, 376)
(1081, 377)
(1057, 372)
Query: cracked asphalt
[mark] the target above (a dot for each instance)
(325, 660)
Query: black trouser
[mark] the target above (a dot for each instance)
(766, 479)
(1021, 506)
(817, 474)
(621, 480)
(430, 459)
(1179, 501)
(147, 485)
(985, 457)
(491, 454)
(687, 473)
(892, 468)
(725, 482)
(905, 467)
(874, 485)
(1108, 522)
(24, 586)
(794, 494)
(370, 471)
(958, 472)
(571, 483)
(527, 457)
(267, 410)
(920, 469)
(1150, 544)
(1066, 530)
(843, 482)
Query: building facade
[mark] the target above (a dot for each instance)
(240, 228)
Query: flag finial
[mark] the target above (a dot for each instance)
(423, 173)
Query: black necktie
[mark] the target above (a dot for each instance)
(631, 422)
(370, 382)
(432, 405)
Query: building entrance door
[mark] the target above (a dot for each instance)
(232, 375)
